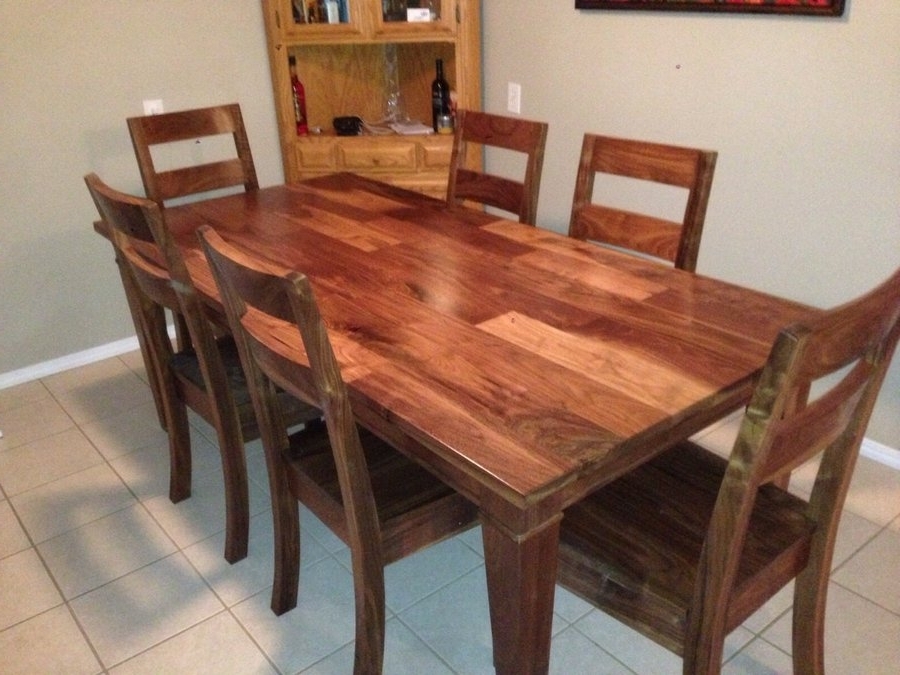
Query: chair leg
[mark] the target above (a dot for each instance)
(182, 334)
(810, 594)
(704, 645)
(156, 388)
(368, 588)
(141, 314)
(705, 662)
(237, 499)
(179, 452)
(286, 524)
(149, 321)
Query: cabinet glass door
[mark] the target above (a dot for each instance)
(320, 18)
(416, 17)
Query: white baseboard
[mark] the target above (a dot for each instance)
(69, 361)
(883, 454)
(874, 450)
(53, 366)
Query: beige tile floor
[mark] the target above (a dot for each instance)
(100, 573)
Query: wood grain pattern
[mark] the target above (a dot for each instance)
(440, 277)
(677, 241)
(503, 357)
(476, 131)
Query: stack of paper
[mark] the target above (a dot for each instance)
(411, 128)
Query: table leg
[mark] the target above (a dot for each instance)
(521, 579)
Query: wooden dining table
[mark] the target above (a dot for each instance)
(529, 368)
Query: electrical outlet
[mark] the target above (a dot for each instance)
(514, 97)
(153, 106)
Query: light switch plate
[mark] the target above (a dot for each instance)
(153, 106)
(514, 97)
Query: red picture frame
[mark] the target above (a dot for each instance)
(809, 7)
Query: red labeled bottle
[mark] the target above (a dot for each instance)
(299, 96)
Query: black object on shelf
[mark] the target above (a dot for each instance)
(347, 126)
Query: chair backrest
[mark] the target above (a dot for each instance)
(476, 129)
(677, 242)
(129, 230)
(794, 415)
(146, 283)
(262, 299)
(156, 270)
(153, 130)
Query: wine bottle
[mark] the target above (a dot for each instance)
(299, 96)
(440, 95)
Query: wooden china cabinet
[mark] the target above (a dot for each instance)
(376, 65)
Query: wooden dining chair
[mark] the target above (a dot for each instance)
(674, 241)
(174, 176)
(686, 547)
(206, 376)
(476, 130)
(381, 504)
(165, 182)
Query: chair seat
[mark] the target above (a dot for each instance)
(405, 493)
(632, 547)
(186, 366)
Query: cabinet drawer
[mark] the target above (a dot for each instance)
(433, 185)
(315, 155)
(378, 156)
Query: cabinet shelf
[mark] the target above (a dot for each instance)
(344, 71)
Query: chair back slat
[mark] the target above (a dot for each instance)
(186, 125)
(656, 237)
(655, 162)
(815, 427)
(497, 191)
(200, 178)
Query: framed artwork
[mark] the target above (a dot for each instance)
(814, 7)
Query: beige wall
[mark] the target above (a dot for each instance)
(803, 111)
(70, 73)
